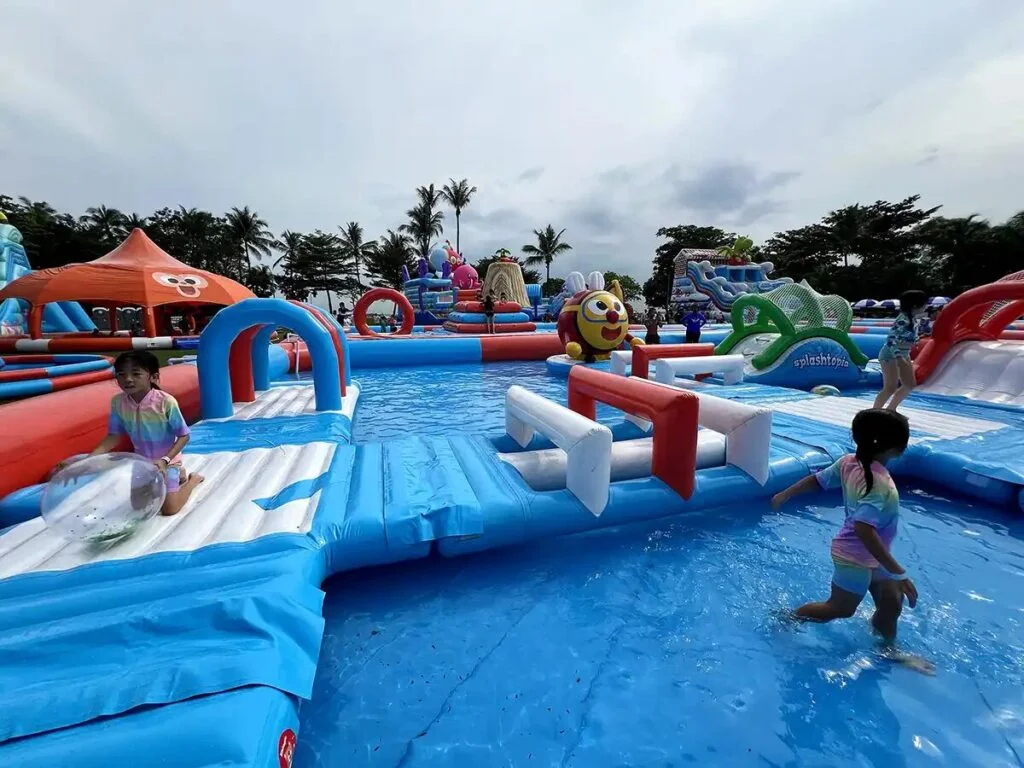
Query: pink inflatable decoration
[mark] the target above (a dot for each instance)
(465, 277)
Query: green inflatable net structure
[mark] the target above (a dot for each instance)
(794, 312)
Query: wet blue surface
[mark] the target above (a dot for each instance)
(458, 399)
(660, 644)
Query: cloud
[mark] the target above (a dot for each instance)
(531, 174)
(755, 115)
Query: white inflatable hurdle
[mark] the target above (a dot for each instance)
(587, 444)
(730, 366)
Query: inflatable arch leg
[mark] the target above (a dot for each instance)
(220, 365)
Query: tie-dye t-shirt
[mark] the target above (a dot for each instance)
(153, 425)
(880, 509)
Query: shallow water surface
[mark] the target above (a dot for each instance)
(659, 644)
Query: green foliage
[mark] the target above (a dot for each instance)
(318, 264)
(458, 195)
(552, 286)
(393, 251)
(657, 288)
(631, 289)
(356, 249)
(549, 245)
(425, 221)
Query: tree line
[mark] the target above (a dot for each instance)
(866, 251)
(240, 243)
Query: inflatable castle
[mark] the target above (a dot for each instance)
(705, 274)
(514, 308)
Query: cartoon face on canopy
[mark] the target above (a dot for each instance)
(187, 285)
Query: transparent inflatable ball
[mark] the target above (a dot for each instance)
(103, 499)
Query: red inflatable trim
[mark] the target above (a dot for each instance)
(642, 355)
(328, 324)
(963, 319)
(478, 306)
(40, 431)
(528, 346)
(482, 327)
(673, 412)
(383, 294)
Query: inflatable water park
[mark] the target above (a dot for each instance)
(201, 638)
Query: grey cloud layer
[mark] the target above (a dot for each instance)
(756, 115)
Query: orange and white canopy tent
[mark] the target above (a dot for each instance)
(138, 273)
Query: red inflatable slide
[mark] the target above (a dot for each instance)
(980, 314)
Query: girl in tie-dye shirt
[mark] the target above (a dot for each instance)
(861, 554)
(153, 422)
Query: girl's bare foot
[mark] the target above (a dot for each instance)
(177, 500)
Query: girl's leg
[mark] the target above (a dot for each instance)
(179, 492)
(841, 604)
(907, 382)
(888, 599)
(890, 382)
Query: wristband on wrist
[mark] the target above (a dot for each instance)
(898, 576)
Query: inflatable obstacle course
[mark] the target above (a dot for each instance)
(792, 336)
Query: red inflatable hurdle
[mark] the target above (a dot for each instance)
(643, 354)
(478, 306)
(673, 412)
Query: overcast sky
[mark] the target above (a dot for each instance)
(607, 117)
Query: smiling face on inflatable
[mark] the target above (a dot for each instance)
(595, 321)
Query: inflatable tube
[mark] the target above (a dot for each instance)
(481, 328)
(537, 346)
(673, 412)
(229, 337)
(478, 306)
(44, 430)
(443, 350)
(83, 343)
(383, 294)
(730, 366)
(639, 358)
(587, 444)
(500, 318)
(27, 376)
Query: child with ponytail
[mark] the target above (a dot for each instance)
(861, 550)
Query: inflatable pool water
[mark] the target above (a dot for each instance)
(210, 623)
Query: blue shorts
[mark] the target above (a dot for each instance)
(854, 578)
(172, 478)
(889, 353)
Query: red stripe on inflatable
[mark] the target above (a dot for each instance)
(22, 359)
(481, 328)
(40, 431)
(534, 346)
(25, 374)
(79, 379)
(1012, 335)
(673, 412)
(327, 324)
(478, 306)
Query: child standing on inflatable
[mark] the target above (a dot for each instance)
(153, 422)
(489, 311)
(894, 357)
(861, 553)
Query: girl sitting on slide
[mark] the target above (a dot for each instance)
(153, 422)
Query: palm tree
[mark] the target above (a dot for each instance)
(393, 251)
(458, 194)
(105, 221)
(429, 196)
(355, 249)
(549, 245)
(251, 234)
(289, 245)
(423, 226)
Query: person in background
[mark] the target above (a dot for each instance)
(342, 314)
(489, 311)
(190, 324)
(894, 357)
(694, 320)
(651, 321)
